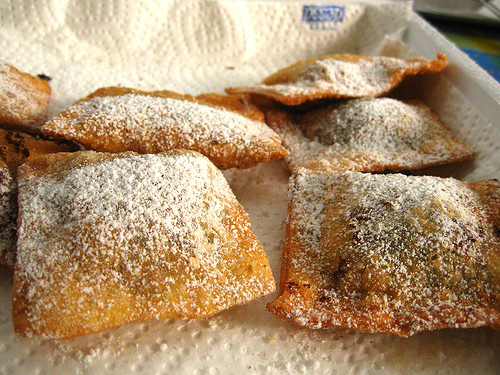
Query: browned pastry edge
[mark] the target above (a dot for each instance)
(37, 90)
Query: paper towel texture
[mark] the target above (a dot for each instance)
(195, 46)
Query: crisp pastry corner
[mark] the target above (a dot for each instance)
(24, 99)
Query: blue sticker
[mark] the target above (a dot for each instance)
(323, 17)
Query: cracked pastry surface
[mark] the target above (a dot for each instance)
(228, 129)
(340, 76)
(367, 135)
(24, 99)
(106, 239)
(390, 253)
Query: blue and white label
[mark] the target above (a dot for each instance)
(323, 17)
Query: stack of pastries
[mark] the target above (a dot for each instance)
(131, 217)
(116, 209)
(367, 248)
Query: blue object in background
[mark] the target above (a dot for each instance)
(485, 61)
(481, 42)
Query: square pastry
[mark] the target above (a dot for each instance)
(340, 76)
(367, 135)
(227, 129)
(390, 253)
(106, 239)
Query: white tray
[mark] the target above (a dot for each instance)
(471, 11)
(203, 46)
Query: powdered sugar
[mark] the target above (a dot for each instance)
(368, 134)
(340, 76)
(385, 211)
(149, 123)
(151, 114)
(381, 125)
(367, 77)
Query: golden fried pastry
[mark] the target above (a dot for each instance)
(15, 149)
(340, 76)
(110, 238)
(229, 130)
(390, 253)
(24, 99)
(367, 135)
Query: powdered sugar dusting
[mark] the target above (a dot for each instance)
(419, 250)
(148, 124)
(369, 134)
(367, 77)
(340, 76)
(145, 237)
(381, 125)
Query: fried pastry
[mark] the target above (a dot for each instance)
(390, 253)
(15, 149)
(367, 135)
(24, 99)
(229, 130)
(340, 76)
(110, 238)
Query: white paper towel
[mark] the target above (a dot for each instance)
(192, 47)
(184, 45)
